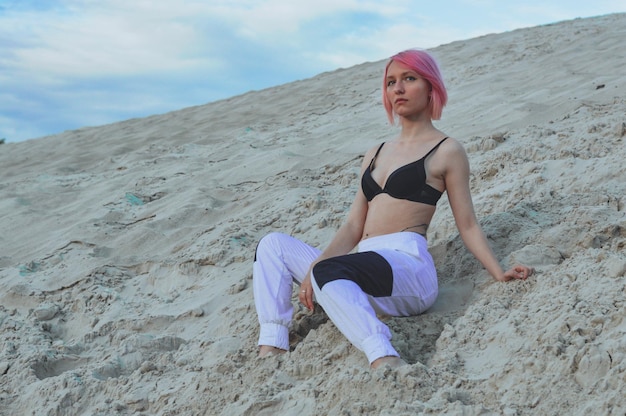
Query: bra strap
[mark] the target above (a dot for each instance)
(434, 148)
(376, 155)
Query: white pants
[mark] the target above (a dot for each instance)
(409, 288)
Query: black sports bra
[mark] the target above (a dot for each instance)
(407, 182)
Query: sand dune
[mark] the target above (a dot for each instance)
(127, 248)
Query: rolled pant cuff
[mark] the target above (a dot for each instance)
(377, 346)
(274, 335)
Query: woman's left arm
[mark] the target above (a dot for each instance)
(456, 176)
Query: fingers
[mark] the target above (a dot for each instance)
(306, 296)
(522, 272)
(528, 271)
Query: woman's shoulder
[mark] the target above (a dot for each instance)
(450, 156)
(451, 146)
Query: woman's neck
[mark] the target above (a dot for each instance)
(416, 129)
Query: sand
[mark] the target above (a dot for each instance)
(126, 249)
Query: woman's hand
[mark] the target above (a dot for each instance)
(518, 272)
(306, 292)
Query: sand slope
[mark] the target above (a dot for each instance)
(126, 249)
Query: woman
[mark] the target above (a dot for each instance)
(392, 272)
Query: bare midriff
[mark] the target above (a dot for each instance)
(386, 215)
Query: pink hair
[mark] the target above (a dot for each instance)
(425, 65)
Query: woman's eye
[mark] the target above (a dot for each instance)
(411, 78)
(390, 83)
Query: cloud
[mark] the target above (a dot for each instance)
(86, 39)
(106, 38)
(273, 19)
(85, 63)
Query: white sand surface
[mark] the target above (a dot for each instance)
(126, 249)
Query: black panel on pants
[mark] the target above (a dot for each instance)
(368, 269)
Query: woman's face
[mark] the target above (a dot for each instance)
(407, 91)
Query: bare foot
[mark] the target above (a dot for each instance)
(268, 351)
(390, 361)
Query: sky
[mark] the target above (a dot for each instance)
(67, 64)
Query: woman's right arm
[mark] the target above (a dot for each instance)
(345, 239)
(349, 234)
